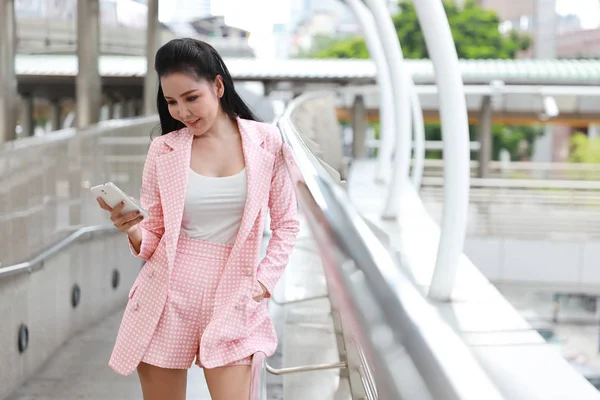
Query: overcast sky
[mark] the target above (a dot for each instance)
(587, 10)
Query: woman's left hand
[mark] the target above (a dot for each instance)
(260, 298)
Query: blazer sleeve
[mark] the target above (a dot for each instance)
(284, 221)
(152, 227)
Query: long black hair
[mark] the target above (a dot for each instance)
(201, 61)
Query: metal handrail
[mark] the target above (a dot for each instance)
(37, 262)
(521, 183)
(387, 314)
(526, 166)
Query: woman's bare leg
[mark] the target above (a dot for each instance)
(162, 383)
(229, 383)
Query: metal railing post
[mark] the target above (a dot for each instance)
(418, 137)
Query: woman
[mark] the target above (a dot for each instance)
(207, 184)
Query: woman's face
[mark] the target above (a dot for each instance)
(194, 102)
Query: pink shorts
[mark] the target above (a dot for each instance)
(189, 306)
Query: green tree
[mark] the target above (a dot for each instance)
(319, 43)
(517, 140)
(474, 30)
(584, 149)
(476, 35)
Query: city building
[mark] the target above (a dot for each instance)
(311, 20)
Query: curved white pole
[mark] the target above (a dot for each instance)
(418, 138)
(402, 115)
(386, 96)
(455, 131)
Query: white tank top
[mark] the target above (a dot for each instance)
(214, 207)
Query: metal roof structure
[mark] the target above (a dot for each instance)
(577, 106)
(347, 71)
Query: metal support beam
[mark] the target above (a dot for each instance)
(359, 127)
(127, 107)
(400, 80)
(27, 118)
(119, 106)
(56, 115)
(388, 129)
(89, 87)
(306, 368)
(485, 136)
(152, 44)
(268, 87)
(133, 105)
(455, 131)
(138, 107)
(111, 105)
(418, 136)
(8, 78)
(300, 300)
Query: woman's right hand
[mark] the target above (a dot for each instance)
(124, 223)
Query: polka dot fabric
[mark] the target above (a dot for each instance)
(238, 326)
(190, 305)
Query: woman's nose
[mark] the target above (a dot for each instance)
(184, 112)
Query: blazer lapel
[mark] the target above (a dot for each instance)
(172, 170)
(259, 169)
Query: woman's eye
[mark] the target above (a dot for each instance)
(192, 98)
(171, 102)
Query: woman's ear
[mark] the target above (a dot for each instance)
(219, 86)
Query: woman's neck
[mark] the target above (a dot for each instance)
(223, 126)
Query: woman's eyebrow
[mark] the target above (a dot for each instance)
(183, 94)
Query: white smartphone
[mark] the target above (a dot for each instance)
(112, 195)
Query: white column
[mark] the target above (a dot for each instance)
(455, 131)
(111, 104)
(388, 129)
(485, 136)
(359, 126)
(89, 87)
(593, 131)
(152, 44)
(56, 114)
(8, 78)
(401, 89)
(27, 111)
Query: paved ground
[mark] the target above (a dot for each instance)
(79, 371)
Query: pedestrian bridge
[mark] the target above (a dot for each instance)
(354, 311)
(392, 289)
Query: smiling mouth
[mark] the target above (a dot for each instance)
(193, 122)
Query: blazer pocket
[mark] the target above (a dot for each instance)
(133, 289)
(257, 290)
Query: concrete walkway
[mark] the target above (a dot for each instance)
(79, 371)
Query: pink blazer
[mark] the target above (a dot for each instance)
(229, 336)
